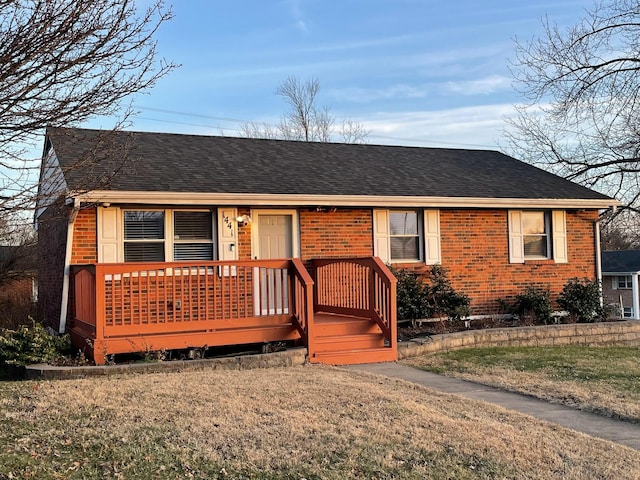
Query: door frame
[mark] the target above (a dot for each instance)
(295, 244)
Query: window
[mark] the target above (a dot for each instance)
(627, 312)
(143, 236)
(167, 235)
(407, 235)
(535, 230)
(537, 235)
(404, 238)
(622, 282)
(192, 236)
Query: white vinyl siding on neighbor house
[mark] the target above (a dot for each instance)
(164, 235)
(407, 236)
(537, 235)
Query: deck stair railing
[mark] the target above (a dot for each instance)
(360, 287)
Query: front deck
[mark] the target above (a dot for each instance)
(347, 315)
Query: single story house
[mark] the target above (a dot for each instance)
(620, 271)
(165, 241)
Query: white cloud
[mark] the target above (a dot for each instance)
(473, 127)
(481, 86)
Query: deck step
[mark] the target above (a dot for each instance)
(354, 357)
(354, 327)
(348, 342)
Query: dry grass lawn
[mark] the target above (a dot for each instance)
(604, 380)
(308, 422)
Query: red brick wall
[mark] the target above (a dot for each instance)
(343, 233)
(85, 243)
(474, 245)
(244, 237)
(52, 241)
(475, 253)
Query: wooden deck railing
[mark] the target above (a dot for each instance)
(360, 287)
(134, 299)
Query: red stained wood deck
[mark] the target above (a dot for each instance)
(346, 316)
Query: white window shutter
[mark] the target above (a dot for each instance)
(516, 240)
(108, 237)
(559, 235)
(381, 244)
(227, 234)
(432, 237)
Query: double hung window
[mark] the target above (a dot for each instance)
(537, 235)
(535, 229)
(622, 282)
(144, 236)
(406, 236)
(167, 235)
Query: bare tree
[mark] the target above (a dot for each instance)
(582, 85)
(306, 121)
(64, 61)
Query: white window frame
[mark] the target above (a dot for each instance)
(546, 218)
(556, 227)
(628, 282)
(173, 240)
(124, 241)
(627, 312)
(111, 239)
(428, 236)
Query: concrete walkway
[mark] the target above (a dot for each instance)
(617, 431)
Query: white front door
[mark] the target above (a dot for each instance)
(273, 238)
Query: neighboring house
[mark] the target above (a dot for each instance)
(18, 284)
(620, 270)
(168, 241)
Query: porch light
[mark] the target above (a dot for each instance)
(243, 220)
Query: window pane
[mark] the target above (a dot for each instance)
(535, 246)
(192, 225)
(144, 252)
(533, 222)
(192, 251)
(403, 223)
(139, 225)
(404, 248)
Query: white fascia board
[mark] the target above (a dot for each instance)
(259, 199)
(620, 274)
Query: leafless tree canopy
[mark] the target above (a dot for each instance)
(306, 121)
(583, 86)
(62, 62)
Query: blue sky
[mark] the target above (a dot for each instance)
(414, 72)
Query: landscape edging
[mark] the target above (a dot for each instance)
(592, 334)
(287, 358)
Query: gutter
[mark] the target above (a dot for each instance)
(274, 200)
(64, 305)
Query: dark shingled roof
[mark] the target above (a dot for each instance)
(192, 163)
(621, 261)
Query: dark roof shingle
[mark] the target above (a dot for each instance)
(621, 261)
(192, 163)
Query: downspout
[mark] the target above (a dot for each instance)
(599, 261)
(64, 305)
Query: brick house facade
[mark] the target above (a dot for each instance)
(496, 224)
(477, 260)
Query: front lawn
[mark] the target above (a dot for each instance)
(310, 422)
(600, 379)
